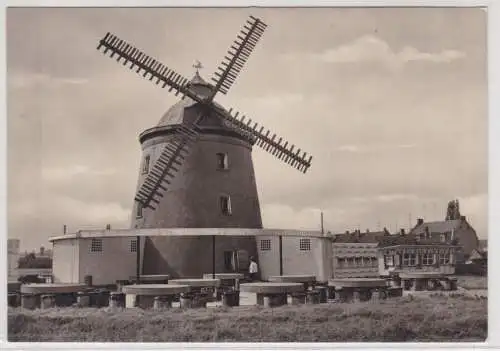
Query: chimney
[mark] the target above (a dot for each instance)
(420, 221)
(347, 232)
(427, 233)
(42, 250)
(64, 229)
(108, 226)
(367, 231)
(386, 232)
(462, 218)
(402, 232)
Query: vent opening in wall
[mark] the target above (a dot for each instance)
(265, 245)
(133, 245)
(96, 245)
(222, 161)
(225, 205)
(305, 244)
(145, 165)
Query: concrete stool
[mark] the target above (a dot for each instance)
(13, 300)
(145, 301)
(200, 300)
(356, 296)
(162, 302)
(395, 292)
(419, 284)
(274, 300)
(116, 299)
(47, 301)
(323, 293)
(453, 284)
(380, 294)
(445, 284)
(100, 298)
(330, 293)
(312, 297)
(432, 284)
(362, 295)
(186, 300)
(231, 298)
(343, 295)
(406, 283)
(395, 282)
(83, 299)
(30, 301)
(298, 298)
(144, 295)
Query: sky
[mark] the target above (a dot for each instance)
(392, 104)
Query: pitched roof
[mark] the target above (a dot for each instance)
(384, 239)
(438, 226)
(411, 239)
(367, 237)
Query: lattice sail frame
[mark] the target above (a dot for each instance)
(174, 153)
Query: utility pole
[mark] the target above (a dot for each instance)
(322, 227)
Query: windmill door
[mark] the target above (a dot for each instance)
(242, 260)
(236, 261)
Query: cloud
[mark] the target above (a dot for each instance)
(396, 197)
(66, 173)
(370, 48)
(372, 148)
(376, 138)
(92, 213)
(18, 80)
(348, 148)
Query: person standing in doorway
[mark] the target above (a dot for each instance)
(253, 269)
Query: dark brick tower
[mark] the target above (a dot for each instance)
(215, 187)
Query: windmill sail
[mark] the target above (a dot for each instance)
(262, 137)
(238, 53)
(166, 167)
(146, 65)
(172, 156)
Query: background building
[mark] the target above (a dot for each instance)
(12, 258)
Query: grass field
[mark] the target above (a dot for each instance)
(471, 282)
(444, 318)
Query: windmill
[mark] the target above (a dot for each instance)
(168, 163)
(181, 188)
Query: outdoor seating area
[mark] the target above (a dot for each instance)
(358, 289)
(419, 281)
(223, 290)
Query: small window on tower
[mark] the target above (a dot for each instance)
(138, 210)
(145, 165)
(222, 161)
(265, 245)
(96, 245)
(133, 245)
(225, 205)
(305, 244)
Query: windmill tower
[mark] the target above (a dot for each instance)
(196, 169)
